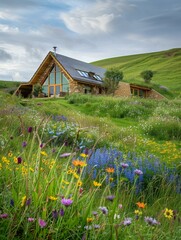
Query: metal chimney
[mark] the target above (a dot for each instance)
(54, 50)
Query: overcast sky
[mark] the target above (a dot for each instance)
(87, 30)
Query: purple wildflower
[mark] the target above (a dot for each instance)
(124, 165)
(110, 197)
(127, 221)
(66, 202)
(24, 144)
(31, 219)
(28, 201)
(62, 212)
(42, 223)
(42, 145)
(4, 215)
(12, 203)
(151, 221)
(95, 213)
(19, 160)
(54, 214)
(65, 155)
(96, 226)
(86, 151)
(104, 210)
(66, 143)
(138, 172)
(30, 129)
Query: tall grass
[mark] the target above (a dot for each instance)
(51, 188)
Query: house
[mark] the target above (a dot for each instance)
(59, 75)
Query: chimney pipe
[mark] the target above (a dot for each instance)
(54, 50)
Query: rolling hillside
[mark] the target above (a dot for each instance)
(8, 86)
(165, 64)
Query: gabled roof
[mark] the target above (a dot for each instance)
(72, 65)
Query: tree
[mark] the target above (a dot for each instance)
(147, 75)
(37, 89)
(112, 78)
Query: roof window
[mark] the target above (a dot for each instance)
(83, 74)
(89, 75)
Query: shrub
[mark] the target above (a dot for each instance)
(163, 128)
(147, 75)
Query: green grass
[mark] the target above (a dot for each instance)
(8, 84)
(129, 124)
(164, 64)
(34, 178)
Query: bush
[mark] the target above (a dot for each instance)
(163, 128)
(147, 75)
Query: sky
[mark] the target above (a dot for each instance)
(87, 30)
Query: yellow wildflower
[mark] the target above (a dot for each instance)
(5, 160)
(66, 182)
(15, 160)
(75, 175)
(0, 166)
(43, 153)
(97, 184)
(70, 171)
(31, 169)
(137, 212)
(79, 183)
(10, 154)
(23, 201)
(50, 166)
(83, 155)
(168, 213)
(52, 198)
(24, 170)
(89, 220)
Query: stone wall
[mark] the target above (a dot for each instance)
(155, 95)
(123, 90)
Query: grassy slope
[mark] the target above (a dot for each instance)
(8, 84)
(165, 64)
(125, 133)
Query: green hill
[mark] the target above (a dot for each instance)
(8, 86)
(166, 66)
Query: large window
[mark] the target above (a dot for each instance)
(56, 83)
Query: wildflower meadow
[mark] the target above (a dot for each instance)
(61, 179)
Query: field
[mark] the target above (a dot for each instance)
(90, 167)
(165, 65)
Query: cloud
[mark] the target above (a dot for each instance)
(16, 4)
(7, 15)
(4, 55)
(83, 29)
(8, 29)
(94, 18)
(86, 24)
